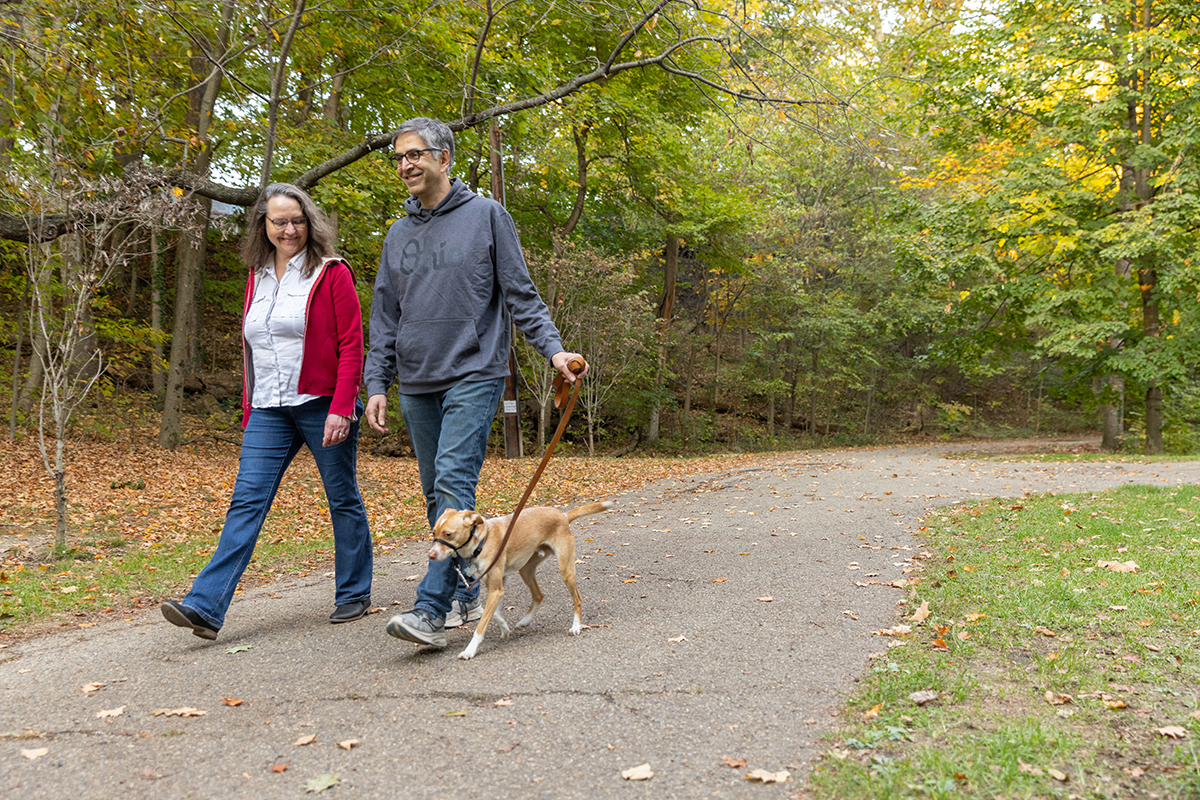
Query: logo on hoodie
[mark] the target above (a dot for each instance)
(421, 255)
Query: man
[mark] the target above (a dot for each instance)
(447, 273)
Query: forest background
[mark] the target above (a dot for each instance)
(758, 220)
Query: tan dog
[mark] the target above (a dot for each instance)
(540, 531)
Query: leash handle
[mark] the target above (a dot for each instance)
(576, 365)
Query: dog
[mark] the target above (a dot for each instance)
(540, 531)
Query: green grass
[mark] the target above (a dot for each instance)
(106, 575)
(1021, 612)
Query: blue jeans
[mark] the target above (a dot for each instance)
(449, 432)
(273, 437)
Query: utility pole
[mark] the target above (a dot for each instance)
(512, 414)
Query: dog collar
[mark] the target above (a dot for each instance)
(456, 550)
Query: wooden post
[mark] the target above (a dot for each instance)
(512, 413)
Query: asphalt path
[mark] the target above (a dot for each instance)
(728, 617)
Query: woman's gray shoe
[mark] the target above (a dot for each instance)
(418, 626)
(461, 613)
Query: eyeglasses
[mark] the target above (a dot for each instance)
(413, 156)
(281, 224)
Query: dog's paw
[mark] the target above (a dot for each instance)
(467, 654)
(575, 629)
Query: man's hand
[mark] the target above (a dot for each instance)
(560, 360)
(376, 413)
(337, 428)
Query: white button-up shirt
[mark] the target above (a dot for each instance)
(274, 330)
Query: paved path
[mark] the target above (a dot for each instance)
(684, 663)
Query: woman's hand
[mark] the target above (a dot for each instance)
(337, 428)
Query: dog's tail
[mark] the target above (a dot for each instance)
(590, 508)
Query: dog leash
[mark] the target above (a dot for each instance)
(562, 394)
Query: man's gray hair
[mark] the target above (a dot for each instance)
(434, 132)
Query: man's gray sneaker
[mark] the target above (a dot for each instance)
(418, 626)
(462, 612)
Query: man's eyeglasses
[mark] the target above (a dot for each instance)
(413, 156)
(281, 224)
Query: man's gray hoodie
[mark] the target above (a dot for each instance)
(445, 276)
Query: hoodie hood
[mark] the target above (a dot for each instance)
(458, 194)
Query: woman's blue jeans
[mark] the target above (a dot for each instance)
(449, 432)
(272, 438)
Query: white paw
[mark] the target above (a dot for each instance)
(471, 648)
(525, 620)
(575, 629)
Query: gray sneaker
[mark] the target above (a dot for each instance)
(461, 612)
(418, 626)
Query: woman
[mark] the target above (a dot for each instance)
(303, 355)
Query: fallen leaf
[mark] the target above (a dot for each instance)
(1055, 699)
(924, 696)
(1029, 769)
(680, 638)
(895, 630)
(232, 701)
(241, 648)
(768, 777)
(640, 773)
(456, 713)
(873, 712)
(504, 701)
(35, 753)
(179, 712)
(1172, 731)
(1136, 772)
(963, 635)
(303, 740)
(850, 614)
(718, 580)
(1058, 776)
(1044, 631)
(736, 763)
(508, 748)
(280, 768)
(1118, 566)
(766, 599)
(322, 782)
(921, 613)
(112, 712)
(348, 744)
(88, 688)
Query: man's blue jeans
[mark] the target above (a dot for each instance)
(449, 432)
(272, 438)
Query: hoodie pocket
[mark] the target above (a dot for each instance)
(441, 349)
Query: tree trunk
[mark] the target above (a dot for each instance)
(1148, 278)
(16, 368)
(666, 307)
(1154, 420)
(771, 401)
(193, 242)
(812, 398)
(32, 388)
(157, 290)
(1111, 424)
(278, 81)
(189, 258)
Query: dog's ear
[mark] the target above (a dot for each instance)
(473, 519)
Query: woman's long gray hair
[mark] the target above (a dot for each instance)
(257, 248)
